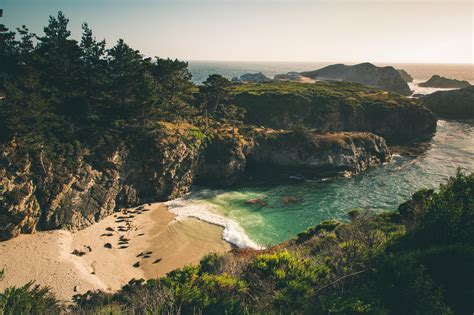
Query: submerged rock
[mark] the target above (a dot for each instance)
(437, 81)
(385, 78)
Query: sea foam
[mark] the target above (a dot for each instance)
(190, 206)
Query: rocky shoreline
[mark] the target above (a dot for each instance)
(44, 201)
(306, 130)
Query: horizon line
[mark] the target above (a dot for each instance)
(326, 61)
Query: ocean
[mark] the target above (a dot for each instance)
(420, 72)
(380, 188)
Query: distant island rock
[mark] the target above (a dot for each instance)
(255, 78)
(437, 81)
(405, 75)
(455, 104)
(385, 78)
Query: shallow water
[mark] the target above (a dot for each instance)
(378, 189)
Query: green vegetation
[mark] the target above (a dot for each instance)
(64, 100)
(417, 260)
(28, 299)
(352, 93)
(333, 106)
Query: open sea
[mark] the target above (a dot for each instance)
(380, 188)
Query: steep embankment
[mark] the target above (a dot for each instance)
(385, 78)
(74, 192)
(456, 104)
(283, 153)
(335, 106)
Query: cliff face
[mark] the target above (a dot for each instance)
(335, 106)
(37, 194)
(224, 161)
(304, 152)
(437, 81)
(385, 78)
(456, 104)
(313, 154)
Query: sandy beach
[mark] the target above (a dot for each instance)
(146, 243)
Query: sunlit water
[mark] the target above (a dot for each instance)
(378, 189)
(420, 72)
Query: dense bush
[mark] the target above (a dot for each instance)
(28, 299)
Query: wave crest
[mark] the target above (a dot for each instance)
(191, 206)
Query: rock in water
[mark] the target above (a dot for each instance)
(255, 78)
(455, 104)
(385, 78)
(437, 81)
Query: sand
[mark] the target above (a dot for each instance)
(46, 256)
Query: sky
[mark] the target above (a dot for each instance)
(420, 31)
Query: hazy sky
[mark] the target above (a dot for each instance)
(286, 30)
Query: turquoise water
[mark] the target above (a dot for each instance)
(378, 189)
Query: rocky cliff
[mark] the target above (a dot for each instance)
(312, 154)
(39, 194)
(455, 104)
(437, 81)
(282, 153)
(385, 78)
(335, 106)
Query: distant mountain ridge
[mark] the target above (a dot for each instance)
(386, 78)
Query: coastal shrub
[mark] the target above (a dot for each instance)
(28, 299)
(443, 217)
(292, 280)
(327, 226)
(211, 263)
(404, 286)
